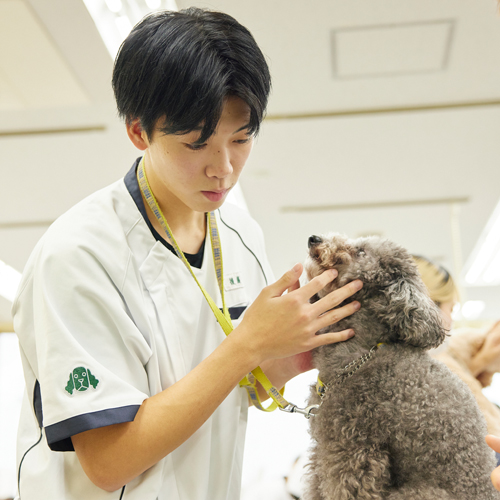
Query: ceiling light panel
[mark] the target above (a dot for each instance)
(115, 18)
(391, 50)
(483, 266)
(114, 5)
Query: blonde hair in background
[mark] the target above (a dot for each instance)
(438, 281)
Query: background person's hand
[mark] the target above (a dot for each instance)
(494, 443)
(491, 348)
(487, 358)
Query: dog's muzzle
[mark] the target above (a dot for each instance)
(313, 241)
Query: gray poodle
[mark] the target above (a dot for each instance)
(393, 424)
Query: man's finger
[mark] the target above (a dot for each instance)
(333, 337)
(319, 282)
(335, 315)
(288, 280)
(336, 297)
(295, 286)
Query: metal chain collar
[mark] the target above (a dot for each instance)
(321, 388)
(350, 369)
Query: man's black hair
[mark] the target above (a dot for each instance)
(178, 67)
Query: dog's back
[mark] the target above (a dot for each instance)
(403, 422)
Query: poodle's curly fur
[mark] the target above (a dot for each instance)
(403, 427)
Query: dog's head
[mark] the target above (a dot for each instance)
(393, 292)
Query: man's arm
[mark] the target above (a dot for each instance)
(275, 326)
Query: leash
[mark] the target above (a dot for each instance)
(224, 318)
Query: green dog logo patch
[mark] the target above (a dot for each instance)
(80, 380)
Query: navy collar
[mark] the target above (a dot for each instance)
(195, 260)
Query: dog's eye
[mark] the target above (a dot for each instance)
(360, 252)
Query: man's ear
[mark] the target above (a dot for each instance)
(137, 135)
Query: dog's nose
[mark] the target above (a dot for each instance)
(313, 241)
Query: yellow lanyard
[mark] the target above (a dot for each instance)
(224, 319)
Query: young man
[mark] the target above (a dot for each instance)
(132, 386)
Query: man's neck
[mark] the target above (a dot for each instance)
(187, 225)
(189, 230)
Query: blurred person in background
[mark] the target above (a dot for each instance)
(472, 354)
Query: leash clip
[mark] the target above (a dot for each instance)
(307, 412)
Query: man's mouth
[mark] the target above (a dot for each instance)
(217, 195)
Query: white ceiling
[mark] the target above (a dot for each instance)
(296, 38)
(33, 74)
(423, 129)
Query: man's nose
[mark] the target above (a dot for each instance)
(221, 164)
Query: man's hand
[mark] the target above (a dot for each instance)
(280, 325)
(494, 443)
(280, 369)
(302, 362)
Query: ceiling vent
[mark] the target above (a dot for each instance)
(392, 49)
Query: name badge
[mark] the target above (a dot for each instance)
(232, 282)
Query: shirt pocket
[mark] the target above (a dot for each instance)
(237, 303)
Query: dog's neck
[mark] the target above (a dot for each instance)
(334, 357)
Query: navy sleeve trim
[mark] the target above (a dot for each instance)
(59, 435)
(37, 404)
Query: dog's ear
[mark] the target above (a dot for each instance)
(411, 314)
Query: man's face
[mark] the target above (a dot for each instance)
(189, 178)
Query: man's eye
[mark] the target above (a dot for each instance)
(195, 147)
(243, 141)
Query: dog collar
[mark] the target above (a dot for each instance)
(348, 371)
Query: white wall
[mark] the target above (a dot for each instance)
(11, 393)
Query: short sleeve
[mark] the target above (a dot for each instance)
(86, 353)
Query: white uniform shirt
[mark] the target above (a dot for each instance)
(106, 317)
